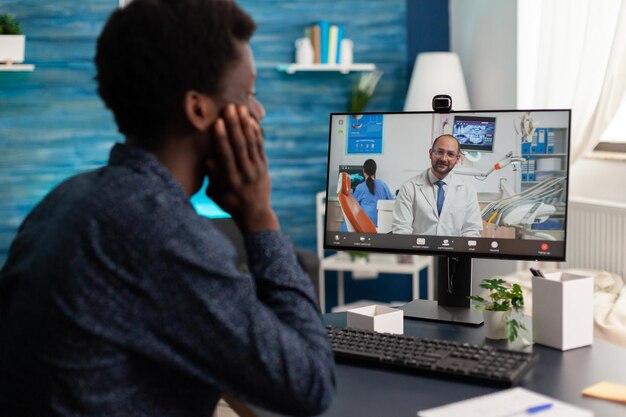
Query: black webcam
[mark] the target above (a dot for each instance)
(442, 103)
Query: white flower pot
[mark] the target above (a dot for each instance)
(12, 48)
(495, 324)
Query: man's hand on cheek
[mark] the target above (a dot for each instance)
(239, 180)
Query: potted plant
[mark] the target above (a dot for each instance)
(363, 90)
(12, 42)
(503, 310)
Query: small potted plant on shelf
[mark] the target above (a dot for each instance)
(503, 310)
(12, 42)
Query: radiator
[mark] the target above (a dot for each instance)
(596, 235)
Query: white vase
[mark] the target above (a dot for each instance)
(12, 48)
(345, 54)
(495, 324)
(304, 51)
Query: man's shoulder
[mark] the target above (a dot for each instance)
(111, 186)
(119, 198)
(461, 180)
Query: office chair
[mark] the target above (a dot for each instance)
(353, 213)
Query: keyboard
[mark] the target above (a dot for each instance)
(434, 357)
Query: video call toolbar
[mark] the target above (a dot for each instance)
(481, 247)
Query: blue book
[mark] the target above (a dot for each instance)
(531, 169)
(550, 141)
(525, 171)
(324, 26)
(339, 38)
(539, 145)
(525, 146)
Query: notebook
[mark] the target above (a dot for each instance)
(507, 403)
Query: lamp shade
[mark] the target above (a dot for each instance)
(436, 73)
(615, 132)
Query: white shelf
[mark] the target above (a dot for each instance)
(344, 69)
(17, 67)
(377, 263)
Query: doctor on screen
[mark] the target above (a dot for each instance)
(436, 201)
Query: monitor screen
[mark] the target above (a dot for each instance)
(355, 172)
(510, 202)
(475, 133)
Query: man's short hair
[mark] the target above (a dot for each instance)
(458, 144)
(152, 52)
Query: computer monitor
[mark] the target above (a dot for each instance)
(355, 172)
(475, 133)
(511, 203)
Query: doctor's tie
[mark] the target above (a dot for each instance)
(441, 195)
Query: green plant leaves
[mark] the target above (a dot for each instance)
(363, 90)
(8, 25)
(503, 297)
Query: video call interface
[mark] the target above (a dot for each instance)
(504, 191)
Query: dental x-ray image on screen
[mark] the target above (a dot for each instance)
(475, 132)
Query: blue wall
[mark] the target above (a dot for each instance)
(53, 125)
(428, 28)
(298, 105)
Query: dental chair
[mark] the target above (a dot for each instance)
(353, 213)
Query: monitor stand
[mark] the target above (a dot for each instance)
(454, 284)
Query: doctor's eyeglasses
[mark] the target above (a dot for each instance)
(450, 154)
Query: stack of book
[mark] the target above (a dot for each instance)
(326, 42)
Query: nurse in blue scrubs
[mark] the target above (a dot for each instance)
(371, 190)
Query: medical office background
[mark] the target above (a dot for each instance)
(405, 142)
(53, 124)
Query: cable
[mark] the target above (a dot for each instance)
(549, 188)
(451, 272)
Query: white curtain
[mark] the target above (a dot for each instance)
(576, 59)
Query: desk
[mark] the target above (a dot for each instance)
(377, 392)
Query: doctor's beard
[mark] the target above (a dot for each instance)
(442, 168)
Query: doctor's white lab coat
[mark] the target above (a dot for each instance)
(415, 210)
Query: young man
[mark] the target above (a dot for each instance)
(437, 202)
(117, 299)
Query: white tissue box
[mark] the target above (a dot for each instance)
(563, 310)
(377, 318)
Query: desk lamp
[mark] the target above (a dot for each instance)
(436, 73)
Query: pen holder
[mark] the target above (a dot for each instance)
(563, 310)
(377, 318)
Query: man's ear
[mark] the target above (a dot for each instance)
(200, 110)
